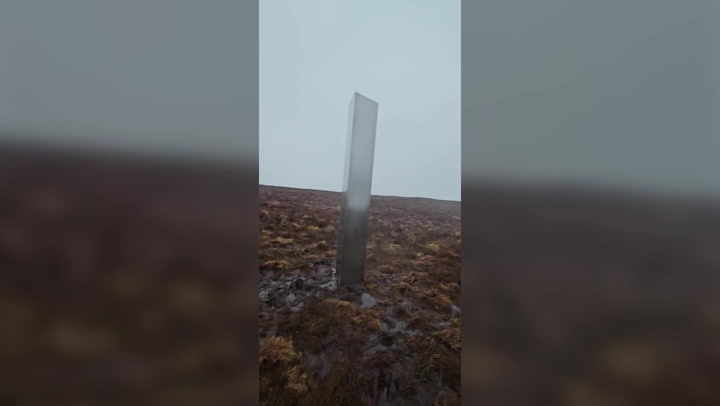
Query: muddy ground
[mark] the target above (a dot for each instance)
(573, 296)
(395, 341)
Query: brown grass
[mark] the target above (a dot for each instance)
(413, 269)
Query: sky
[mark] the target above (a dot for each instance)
(619, 91)
(151, 76)
(405, 55)
(616, 92)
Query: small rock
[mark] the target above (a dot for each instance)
(331, 285)
(455, 311)
(367, 301)
(439, 324)
(290, 298)
(264, 295)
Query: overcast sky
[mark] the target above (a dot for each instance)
(615, 91)
(403, 54)
(166, 77)
(626, 91)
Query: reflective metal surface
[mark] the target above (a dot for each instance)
(360, 150)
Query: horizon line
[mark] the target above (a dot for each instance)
(372, 194)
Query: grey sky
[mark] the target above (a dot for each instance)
(159, 76)
(619, 91)
(626, 91)
(403, 54)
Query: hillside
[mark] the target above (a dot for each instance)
(395, 342)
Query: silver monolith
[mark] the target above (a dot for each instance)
(359, 154)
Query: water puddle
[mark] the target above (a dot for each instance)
(367, 301)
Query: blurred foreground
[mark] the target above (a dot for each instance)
(123, 281)
(128, 281)
(590, 297)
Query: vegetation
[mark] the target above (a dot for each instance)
(403, 349)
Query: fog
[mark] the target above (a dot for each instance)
(159, 77)
(405, 55)
(618, 93)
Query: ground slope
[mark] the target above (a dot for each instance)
(397, 341)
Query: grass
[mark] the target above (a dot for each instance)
(412, 269)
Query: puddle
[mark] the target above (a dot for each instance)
(331, 285)
(367, 301)
(281, 289)
(439, 324)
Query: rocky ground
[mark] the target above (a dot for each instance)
(395, 341)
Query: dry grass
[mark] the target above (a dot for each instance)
(451, 335)
(279, 361)
(277, 349)
(413, 269)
